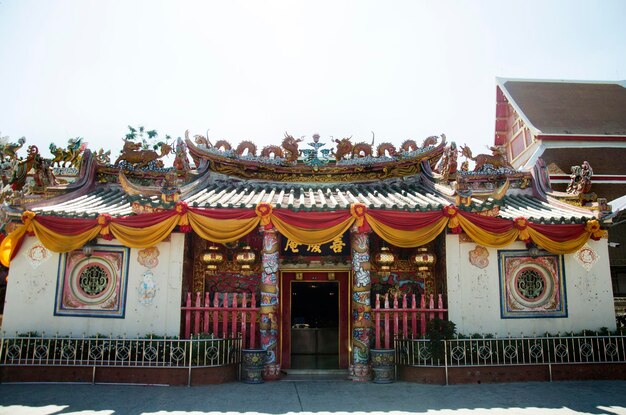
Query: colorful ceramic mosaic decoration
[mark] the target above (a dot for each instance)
(93, 286)
(531, 287)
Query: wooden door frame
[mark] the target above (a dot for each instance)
(343, 277)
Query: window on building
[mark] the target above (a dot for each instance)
(619, 281)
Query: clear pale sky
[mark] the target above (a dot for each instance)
(254, 69)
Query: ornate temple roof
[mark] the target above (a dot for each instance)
(402, 179)
(407, 197)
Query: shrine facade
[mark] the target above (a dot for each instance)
(315, 255)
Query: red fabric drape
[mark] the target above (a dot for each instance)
(66, 226)
(405, 221)
(312, 220)
(490, 224)
(559, 233)
(145, 220)
(224, 214)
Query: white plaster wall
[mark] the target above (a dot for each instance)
(474, 294)
(29, 304)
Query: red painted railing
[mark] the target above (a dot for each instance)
(226, 316)
(409, 321)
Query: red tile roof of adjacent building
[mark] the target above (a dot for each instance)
(569, 107)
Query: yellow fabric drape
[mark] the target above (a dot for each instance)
(9, 243)
(222, 230)
(486, 238)
(566, 247)
(407, 239)
(143, 237)
(312, 236)
(63, 243)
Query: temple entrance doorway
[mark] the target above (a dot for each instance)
(314, 329)
(315, 325)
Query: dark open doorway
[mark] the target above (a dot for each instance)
(315, 325)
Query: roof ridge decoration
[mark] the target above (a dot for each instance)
(352, 162)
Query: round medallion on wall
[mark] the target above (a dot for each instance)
(93, 281)
(531, 285)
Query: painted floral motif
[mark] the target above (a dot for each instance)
(148, 257)
(147, 288)
(37, 255)
(479, 257)
(587, 257)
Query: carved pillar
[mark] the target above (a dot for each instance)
(269, 302)
(361, 308)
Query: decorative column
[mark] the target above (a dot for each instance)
(361, 307)
(269, 302)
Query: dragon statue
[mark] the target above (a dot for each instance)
(246, 145)
(408, 145)
(384, 149)
(497, 159)
(290, 146)
(345, 148)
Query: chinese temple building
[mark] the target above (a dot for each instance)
(300, 249)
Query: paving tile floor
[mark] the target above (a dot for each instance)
(318, 397)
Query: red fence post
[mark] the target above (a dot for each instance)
(405, 325)
(233, 317)
(413, 316)
(431, 305)
(196, 315)
(188, 316)
(214, 315)
(377, 322)
(244, 315)
(224, 315)
(253, 322)
(207, 303)
(386, 321)
(396, 316)
(422, 315)
(440, 307)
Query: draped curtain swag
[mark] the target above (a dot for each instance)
(398, 228)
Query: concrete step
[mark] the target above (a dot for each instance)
(301, 375)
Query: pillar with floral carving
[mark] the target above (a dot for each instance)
(269, 302)
(361, 308)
